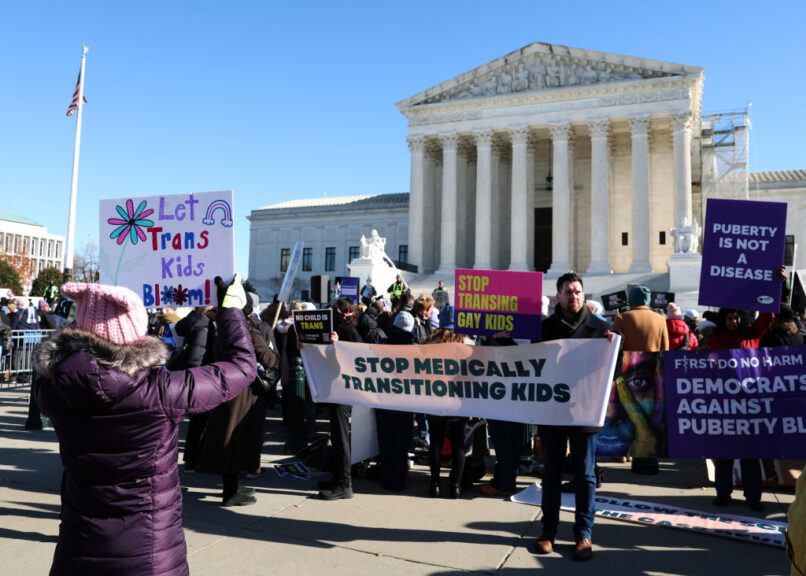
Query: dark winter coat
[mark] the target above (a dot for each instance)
(25, 319)
(235, 427)
(5, 337)
(368, 326)
(198, 332)
(116, 412)
(781, 336)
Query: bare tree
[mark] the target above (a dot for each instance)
(85, 263)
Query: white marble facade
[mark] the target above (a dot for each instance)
(336, 223)
(614, 133)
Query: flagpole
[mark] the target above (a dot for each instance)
(71, 222)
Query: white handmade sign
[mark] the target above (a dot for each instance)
(168, 249)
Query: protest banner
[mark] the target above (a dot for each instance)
(743, 246)
(635, 424)
(740, 403)
(615, 301)
(660, 300)
(346, 287)
(290, 273)
(563, 382)
(492, 301)
(756, 530)
(313, 326)
(169, 248)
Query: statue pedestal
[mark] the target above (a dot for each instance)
(381, 270)
(684, 272)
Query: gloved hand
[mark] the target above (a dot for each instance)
(232, 296)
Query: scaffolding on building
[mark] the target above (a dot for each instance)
(724, 155)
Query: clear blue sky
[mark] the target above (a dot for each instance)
(281, 100)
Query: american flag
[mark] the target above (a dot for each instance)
(74, 104)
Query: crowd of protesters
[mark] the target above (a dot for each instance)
(203, 349)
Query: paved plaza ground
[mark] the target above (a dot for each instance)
(290, 532)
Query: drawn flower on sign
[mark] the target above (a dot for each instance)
(180, 295)
(130, 225)
(131, 222)
(167, 294)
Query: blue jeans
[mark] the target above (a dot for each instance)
(751, 477)
(583, 460)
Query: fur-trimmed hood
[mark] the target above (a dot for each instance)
(130, 359)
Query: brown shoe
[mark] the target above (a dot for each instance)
(583, 550)
(490, 490)
(544, 544)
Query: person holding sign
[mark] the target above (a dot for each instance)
(571, 319)
(341, 483)
(116, 412)
(733, 331)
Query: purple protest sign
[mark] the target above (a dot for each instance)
(492, 301)
(347, 287)
(741, 403)
(742, 248)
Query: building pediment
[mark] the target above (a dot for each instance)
(542, 67)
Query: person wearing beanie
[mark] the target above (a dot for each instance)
(116, 411)
(680, 335)
(642, 329)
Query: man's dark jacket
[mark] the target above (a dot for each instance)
(554, 328)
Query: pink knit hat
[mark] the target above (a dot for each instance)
(113, 313)
(673, 312)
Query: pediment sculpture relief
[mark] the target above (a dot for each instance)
(540, 72)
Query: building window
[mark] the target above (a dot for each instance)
(285, 256)
(403, 253)
(625, 237)
(58, 250)
(353, 254)
(662, 237)
(330, 259)
(307, 258)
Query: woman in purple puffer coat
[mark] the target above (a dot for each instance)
(116, 411)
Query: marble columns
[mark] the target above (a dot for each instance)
(560, 200)
(681, 141)
(416, 199)
(600, 198)
(484, 187)
(519, 205)
(448, 210)
(639, 128)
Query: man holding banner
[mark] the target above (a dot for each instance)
(571, 319)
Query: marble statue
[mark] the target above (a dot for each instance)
(686, 237)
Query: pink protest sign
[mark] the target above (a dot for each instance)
(492, 301)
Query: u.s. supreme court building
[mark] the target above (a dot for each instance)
(548, 158)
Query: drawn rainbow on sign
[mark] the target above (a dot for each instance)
(215, 205)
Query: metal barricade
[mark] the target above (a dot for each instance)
(16, 365)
